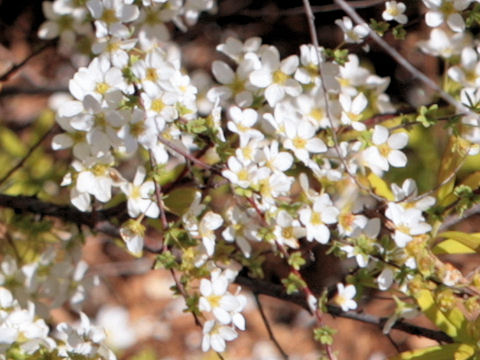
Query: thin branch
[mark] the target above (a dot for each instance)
(28, 154)
(402, 60)
(186, 155)
(457, 218)
(96, 220)
(269, 329)
(19, 65)
(362, 4)
(313, 34)
(260, 286)
(19, 90)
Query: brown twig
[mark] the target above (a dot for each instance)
(19, 65)
(269, 328)
(28, 154)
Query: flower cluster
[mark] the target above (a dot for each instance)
(291, 151)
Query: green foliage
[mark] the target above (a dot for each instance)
(399, 32)
(440, 352)
(427, 116)
(166, 260)
(296, 260)
(293, 283)
(324, 335)
(340, 56)
(473, 16)
(178, 201)
(380, 27)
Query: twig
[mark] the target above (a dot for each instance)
(17, 90)
(18, 66)
(186, 155)
(158, 196)
(457, 218)
(264, 287)
(28, 154)
(313, 35)
(315, 9)
(402, 60)
(98, 220)
(268, 327)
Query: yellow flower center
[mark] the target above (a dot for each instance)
(157, 105)
(299, 142)
(317, 113)
(102, 88)
(109, 16)
(287, 232)
(279, 77)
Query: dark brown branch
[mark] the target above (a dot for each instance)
(259, 286)
(96, 220)
(19, 90)
(19, 65)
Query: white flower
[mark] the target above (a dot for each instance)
(241, 230)
(353, 109)
(302, 140)
(241, 122)
(110, 17)
(235, 49)
(467, 73)
(385, 151)
(360, 257)
(276, 76)
(395, 11)
(235, 84)
(100, 80)
(132, 233)
(216, 298)
(407, 223)
(288, 230)
(139, 195)
(215, 335)
(206, 230)
(243, 175)
(352, 34)
(385, 279)
(446, 10)
(344, 297)
(322, 212)
(442, 44)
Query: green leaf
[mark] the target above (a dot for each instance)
(443, 352)
(453, 322)
(293, 283)
(451, 246)
(399, 32)
(380, 187)
(471, 241)
(324, 335)
(11, 144)
(178, 201)
(296, 260)
(380, 27)
(454, 155)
